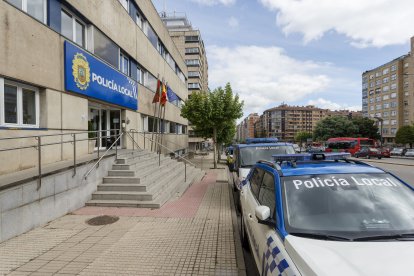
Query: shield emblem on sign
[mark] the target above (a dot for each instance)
(81, 74)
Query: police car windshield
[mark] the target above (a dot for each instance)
(250, 155)
(348, 205)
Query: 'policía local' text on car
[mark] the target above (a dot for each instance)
(322, 214)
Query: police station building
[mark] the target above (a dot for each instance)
(84, 65)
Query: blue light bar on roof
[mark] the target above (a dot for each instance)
(310, 156)
(261, 140)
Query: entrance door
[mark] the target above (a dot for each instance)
(107, 122)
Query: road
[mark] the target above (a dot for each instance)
(403, 168)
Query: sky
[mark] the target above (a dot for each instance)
(297, 52)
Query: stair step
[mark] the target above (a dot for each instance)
(121, 167)
(121, 179)
(122, 195)
(121, 187)
(121, 173)
(123, 203)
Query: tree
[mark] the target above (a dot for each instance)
(405, 135)
(335, 126)
(213, 113)
(302, 136)
(366, 128)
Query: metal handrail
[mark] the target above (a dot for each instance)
(159, 144)
(58, 134)
(158, 132)
(106, 152)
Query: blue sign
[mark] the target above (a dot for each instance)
(87, 75)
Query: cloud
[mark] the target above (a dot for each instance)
(265, 76)
(367, 23)
(215, 2)
(233, 22)
(327, 104)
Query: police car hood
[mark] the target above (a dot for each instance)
(320, 257)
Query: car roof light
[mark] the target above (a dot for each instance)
(308, 157)
(261, 140)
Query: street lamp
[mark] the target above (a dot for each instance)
(381, 120)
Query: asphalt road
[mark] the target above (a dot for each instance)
(401, 167)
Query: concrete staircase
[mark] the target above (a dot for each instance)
(136, 180)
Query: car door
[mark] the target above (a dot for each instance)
(273, 258)
(249, 203)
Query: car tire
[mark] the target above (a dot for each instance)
(379, 157)
(369, 156)
(243, 234)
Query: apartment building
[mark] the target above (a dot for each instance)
(284, 121)
(191, 46)
(387, 94)
(246, 129)
(73, 65)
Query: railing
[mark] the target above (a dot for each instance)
(160, 145)
(73, 140)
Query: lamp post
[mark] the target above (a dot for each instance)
(381, 121)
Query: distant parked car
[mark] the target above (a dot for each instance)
(398, 151)
(368, 153)
(410, 153)
(386, 152)
(296, 147)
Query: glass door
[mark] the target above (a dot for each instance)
(107, 123)
(94, 125)
(105, 140)
(115, 125)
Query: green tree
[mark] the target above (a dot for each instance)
(213, 113)
(335, 126)
(405, 135)
(366, 128)
(302, 136)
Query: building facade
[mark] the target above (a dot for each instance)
(387, 94)
(71, 66)
(246, 129)
(191, 46)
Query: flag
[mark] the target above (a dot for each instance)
(156, 98)
(171, 95)
(163, 95)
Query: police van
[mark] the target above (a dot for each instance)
(323, 214)
(255, 149)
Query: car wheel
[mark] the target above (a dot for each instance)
(369, 156)
(379, 157)
(244, 239)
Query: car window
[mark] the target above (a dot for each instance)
(267, 193)
(256, 180)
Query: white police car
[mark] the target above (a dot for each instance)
(321, 214)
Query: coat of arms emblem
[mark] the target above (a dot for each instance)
(81, 71)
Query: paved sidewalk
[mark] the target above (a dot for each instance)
(192, 235)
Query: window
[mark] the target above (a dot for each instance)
(152, 36)
(140, 75)
(150, 82)
(193, 74)
(378, 107)
(386, 88)
(393, 113)
(179, 129)
(385, 131)
(35, 8)
(371, 108)
(393, 86)
(267, 193)
(139, 19)
(194, 86)
(144, 123)
(393, 104)
(393, 130)
(386, 80)
(385, 97)
(406, 93)
(378, 82)
(256, 180)
(385, 71)
(371, 100)
(393, 76)
(19, 105)
(386, 105)
(378, 99)
(393, 67)
(192, 62)
(125, 4)
(386, 122)
(386, 114)
(406, 64)
(72, 28)
(105, 48)
(193, 50)
(393, 122)
(167, 127)
(406, 103)
(378, 74)
(393, 95)
(172, 127)
(124, 64)
(191, 38)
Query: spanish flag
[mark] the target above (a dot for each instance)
(156, 98)
(164, 95)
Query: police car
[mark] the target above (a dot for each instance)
(322, 214)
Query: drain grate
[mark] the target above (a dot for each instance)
(102, 220)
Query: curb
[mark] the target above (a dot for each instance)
(236, 234)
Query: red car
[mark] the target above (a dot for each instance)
(368, 153)
(386, 152)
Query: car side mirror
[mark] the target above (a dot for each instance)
(263, 216)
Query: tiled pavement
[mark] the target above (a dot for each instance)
(192, 235)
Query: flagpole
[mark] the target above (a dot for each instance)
(163, 115)
(159, 118)
(155, 111)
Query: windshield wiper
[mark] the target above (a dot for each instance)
(404, 236)
(320, 236)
